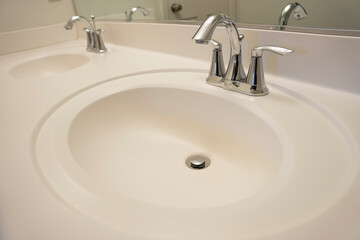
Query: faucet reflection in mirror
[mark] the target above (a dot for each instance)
(234, 78)
(94, 41)
(129, 16)
(299, 13)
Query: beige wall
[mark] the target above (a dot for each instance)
(333, 14)
(23, 14)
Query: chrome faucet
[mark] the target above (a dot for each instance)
(299, 13)
(133, 10)
(234, 78)
(235, 70)
(93, 35)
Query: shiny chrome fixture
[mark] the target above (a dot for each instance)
(217, 69)
(299, 13)
(93, 35)
(133, 10)
(197, 161)
(235, 71)
(234, 78)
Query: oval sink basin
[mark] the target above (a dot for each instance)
(48, 66)
(147, 134)
(117, 152)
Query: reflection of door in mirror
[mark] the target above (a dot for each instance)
(198, 10)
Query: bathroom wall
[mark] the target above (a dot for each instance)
(26, 24)
(334, 14)
(23, 14)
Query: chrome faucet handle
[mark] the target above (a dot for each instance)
(217, 69)
(258, 51)
(89, 39)
(100, 30)
(98, 44)
(235, 71)
(93, 21)
(255, 78)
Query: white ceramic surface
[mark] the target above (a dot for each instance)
(56, 193)
(116, 153)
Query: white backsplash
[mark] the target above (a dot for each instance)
(325, 60)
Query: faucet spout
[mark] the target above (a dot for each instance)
(206, 30)
(69, 25)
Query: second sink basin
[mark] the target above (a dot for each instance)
(48, 66)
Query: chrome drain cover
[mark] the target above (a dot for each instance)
(197, 162)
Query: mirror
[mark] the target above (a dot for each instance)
(305, 14)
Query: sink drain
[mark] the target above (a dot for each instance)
(197, 162)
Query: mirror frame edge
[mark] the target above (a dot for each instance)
(322, 31)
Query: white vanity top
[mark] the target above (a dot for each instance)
(31, 210)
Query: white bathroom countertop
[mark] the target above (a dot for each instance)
(29, 210)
